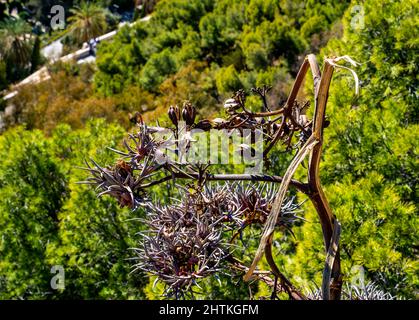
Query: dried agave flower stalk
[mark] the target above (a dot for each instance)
(184, 241)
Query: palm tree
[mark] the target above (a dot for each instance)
(15, 48)
(15, 42)
(88, 21)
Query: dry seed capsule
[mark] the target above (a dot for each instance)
(174, 115)
(189, 114)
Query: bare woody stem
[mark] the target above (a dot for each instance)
(317, 196)
(266, 114)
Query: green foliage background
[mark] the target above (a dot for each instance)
(203, 51)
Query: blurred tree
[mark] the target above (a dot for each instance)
(36, 58)
(69, 98)
(15, 47)
(157, 68)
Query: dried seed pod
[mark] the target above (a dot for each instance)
(174, 115)
(189, 113)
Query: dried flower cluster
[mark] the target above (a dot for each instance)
(126, 179)
(281, 124)
(184, 241)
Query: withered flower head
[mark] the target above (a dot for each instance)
(183, 243)
(141, 146)
(352, 291)
(124, 181)
(254, 204)
(118, 182)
